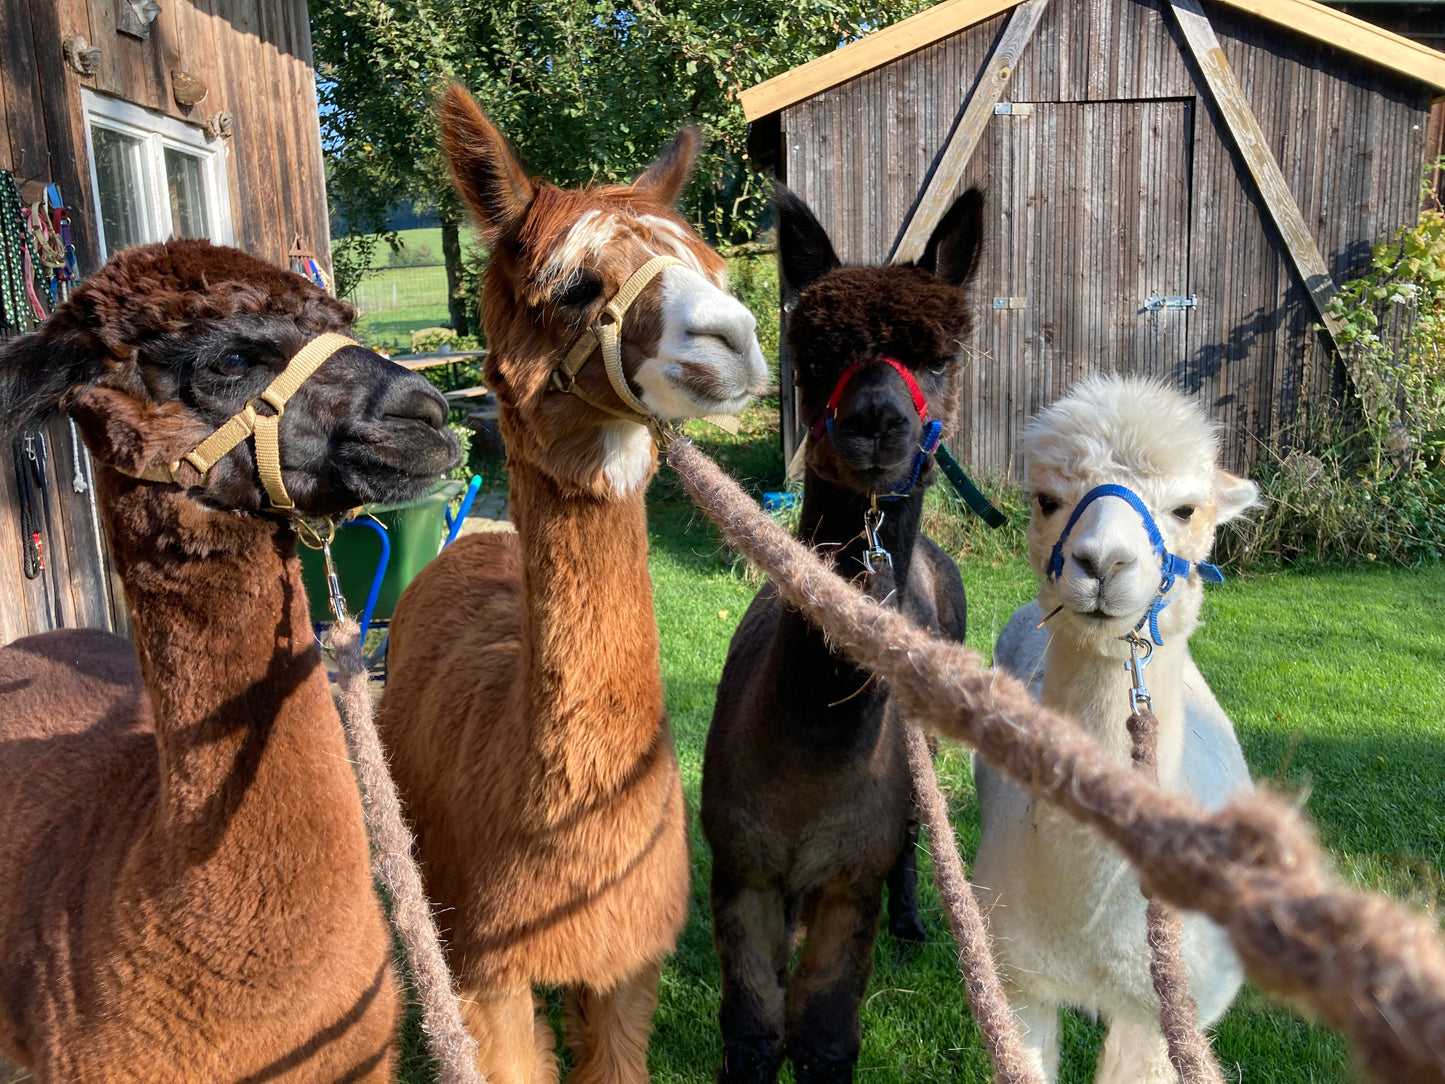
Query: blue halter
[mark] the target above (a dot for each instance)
(1172, 566)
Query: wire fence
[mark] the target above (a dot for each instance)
(400, 287)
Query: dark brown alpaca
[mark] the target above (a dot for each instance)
(524, 706)
(188, 893)
(806, 795)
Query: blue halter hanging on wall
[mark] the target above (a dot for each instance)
(1172, 566)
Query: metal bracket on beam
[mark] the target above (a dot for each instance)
(1013, 109)
(1010, 302)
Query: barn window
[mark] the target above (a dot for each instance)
(154, 177)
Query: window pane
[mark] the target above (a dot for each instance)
(188, 194)
(118, 173)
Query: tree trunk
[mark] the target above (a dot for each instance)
(452, 257)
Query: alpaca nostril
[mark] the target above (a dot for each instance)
(418, 401)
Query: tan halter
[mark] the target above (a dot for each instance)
(606, 332)
(265, 427)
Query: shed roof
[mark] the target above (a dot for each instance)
(1332, 27)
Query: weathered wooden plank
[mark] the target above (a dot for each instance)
(938, 195)
(866, 54)
(1244, 127)
(24, 107)
(69, 163)
(109, 77)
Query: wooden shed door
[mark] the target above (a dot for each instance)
(1090, 218)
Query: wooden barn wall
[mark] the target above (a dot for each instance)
(255, 58)
(1123, 184)
(253, 55)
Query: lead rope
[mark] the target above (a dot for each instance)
(981, 982)
(1370, 966)
(1189, 1050)
(452, 1046)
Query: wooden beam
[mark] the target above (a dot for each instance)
(1250, 139)
(953, 160)
(867, 53)
(1353, 36)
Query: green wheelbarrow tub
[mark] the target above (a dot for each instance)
(415, 529)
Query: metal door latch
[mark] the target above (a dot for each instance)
(1156, 303)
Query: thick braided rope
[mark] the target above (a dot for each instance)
(1189, 1049)
(452, 1047)
(981, 982)
(975, 954)
(1368, 965)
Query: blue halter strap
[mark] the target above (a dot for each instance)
(1171, 565)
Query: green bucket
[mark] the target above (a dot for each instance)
(415, 529)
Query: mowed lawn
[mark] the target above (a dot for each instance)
(1334, 680)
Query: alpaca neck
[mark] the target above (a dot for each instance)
(1088, 681)
(832, 519)
(590, 672)
(243, 718)
(810, 671)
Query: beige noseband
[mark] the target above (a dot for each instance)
(265, 427)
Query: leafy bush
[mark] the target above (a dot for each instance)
(1373, 486)
(405, 256)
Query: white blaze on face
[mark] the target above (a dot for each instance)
(708, 360)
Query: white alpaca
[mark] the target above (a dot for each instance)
(1065, 908)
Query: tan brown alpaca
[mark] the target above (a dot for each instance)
(187, 886)
(524, 705)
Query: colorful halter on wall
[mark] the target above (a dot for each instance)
(928, 440)
(1172, 566)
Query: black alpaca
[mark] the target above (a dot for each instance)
(806, 796)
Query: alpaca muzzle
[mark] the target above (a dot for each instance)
(1172, 567)
(265, 428)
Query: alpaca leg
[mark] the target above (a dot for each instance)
(903, 921)
(1038, 1023)
(750, 930)
(607, 1032)
(1134, 1053)
(832, 975)
(514, 1040)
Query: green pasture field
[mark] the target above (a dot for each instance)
(1334, 680)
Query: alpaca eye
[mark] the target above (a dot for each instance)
(1047, 504)
(232, 363)
(938, 369)
(580, 292)
(1184, 512)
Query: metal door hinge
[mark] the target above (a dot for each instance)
(1156, 303)
(1013, 109)
(1010, 302)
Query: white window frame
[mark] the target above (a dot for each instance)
(158, 132)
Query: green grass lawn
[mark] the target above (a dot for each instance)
(1334, 680)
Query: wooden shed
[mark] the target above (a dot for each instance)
(1172, 187)
(184, 117)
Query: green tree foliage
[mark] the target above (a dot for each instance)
(587, 90)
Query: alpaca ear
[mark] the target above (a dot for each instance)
(130, 433)
(1233, 495)
(952, 251)
(36, 370)
(804, 251)
(665, 178)
(487, 174)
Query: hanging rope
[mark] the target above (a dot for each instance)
(1368, 965)
(451, 1045)
(1189, 1049)
(981, 981)
(975, 955)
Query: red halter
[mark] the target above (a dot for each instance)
(932, 430)
(830, 411)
